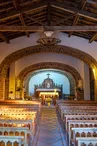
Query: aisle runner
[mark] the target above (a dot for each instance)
(49, 132)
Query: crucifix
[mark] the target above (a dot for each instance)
(48, 75)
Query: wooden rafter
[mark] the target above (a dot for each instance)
(23, 23)
(69, 9)
(48, 28)
(94, 37)
(26, 10)
(16, 3)
(74, 23)
(4, 38)
(83, 3)
(33, 19)
(61, 21)
(54, 4)
(49, 15)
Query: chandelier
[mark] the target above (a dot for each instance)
(48, 38)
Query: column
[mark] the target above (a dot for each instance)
(12, 81)
(86, 82)
(2, 88)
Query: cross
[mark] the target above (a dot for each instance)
(48, 75)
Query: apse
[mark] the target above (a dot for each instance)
(57, 77)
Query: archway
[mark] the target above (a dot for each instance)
(66, 74)
(38, 49)
(48, 65)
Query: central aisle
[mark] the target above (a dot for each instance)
(49, 131)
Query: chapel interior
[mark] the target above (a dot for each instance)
(48, 72)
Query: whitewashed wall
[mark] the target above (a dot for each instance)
(48, 57)
(73, 41)
(23, 42)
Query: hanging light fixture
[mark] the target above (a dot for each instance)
(47, 38)
(48, 33)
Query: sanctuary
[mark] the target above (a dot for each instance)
(48, 89)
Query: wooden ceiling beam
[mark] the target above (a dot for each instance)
(15, 13)
(83, 3)
(4, 38)
(16, 3)
(62, 20)
(23, 23)
(74, 24)
(94, 37)
(49, 14)
(33, 19)
(48, 28)
(54, 4)
(69, 9)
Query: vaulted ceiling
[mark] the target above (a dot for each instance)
(47, 13)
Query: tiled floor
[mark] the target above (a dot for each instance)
(49, 131)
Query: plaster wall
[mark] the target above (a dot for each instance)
(48, 57)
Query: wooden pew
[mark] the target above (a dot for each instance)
(22, 131)
(80, 113)
(82, 132)
(86, 141)
(14, 140)
(78, 117)
(79, 124)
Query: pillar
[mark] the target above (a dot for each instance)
(95, 82)
(2, 88)
(86, 82)
(12, 81)
(72, 86)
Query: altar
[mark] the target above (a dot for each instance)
(48, 89)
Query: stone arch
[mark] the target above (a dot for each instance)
(70, 78)
(5, 64)
(48, 65)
